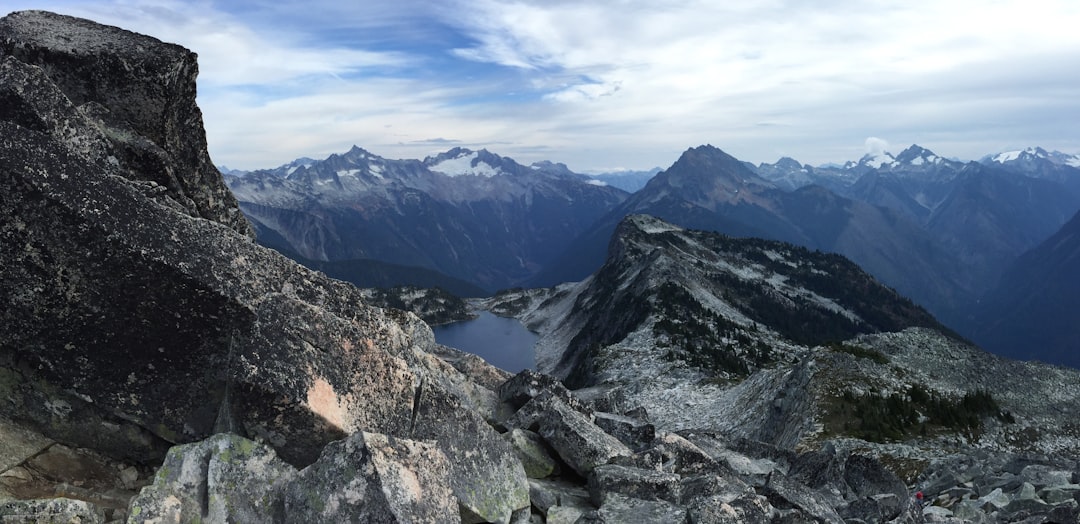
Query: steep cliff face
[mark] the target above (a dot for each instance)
(138, 95)
(136, 311)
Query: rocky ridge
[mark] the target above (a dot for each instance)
(789, 393)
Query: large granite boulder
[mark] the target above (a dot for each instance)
(367, 477)
(225, 478)
(579, 443)
(374, 478)
(139, 93)
(486, 475)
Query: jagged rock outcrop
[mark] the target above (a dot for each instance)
(136, 312)
(136, 93)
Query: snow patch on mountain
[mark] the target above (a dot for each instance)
(1054, 157)
(878, 160)
(465, 165)
(655, 226)
(1009, 156)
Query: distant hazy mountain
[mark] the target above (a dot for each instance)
(471, 215)
(938, 230)
(787, 173)
(629, 181)
(983, 214)
(1039, 163)
(1034, 313)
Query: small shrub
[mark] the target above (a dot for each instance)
(860, 352)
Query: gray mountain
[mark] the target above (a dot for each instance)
(787, 173)
(630, 181)
(708, 189)
(915, 183)
(984, 215)
(1037, 162)
(1034, 312)
(471, 215)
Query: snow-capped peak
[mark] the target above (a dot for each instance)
(466, 164)
(460, 161)
(918, 156)
(1034, 153)
(1009, 156)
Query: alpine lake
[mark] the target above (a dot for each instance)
(501, 341)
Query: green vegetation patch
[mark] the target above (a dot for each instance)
(435, 306)
(921, 411)
(860, 352)
(707, 340)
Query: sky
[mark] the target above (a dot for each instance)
(606, 85)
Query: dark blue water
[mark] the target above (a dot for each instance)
(503, 342)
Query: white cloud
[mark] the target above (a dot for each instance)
(621, 82)
(876, 146)
(231, 52)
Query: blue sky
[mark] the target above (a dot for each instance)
(617, 84)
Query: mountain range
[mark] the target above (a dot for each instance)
(940, 231)
(471, 215)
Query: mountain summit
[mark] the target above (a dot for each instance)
(709, 177)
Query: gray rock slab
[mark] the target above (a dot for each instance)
(636, 434)
(547, 494)
(580, 443)
(18, 443)
(748, 507)
(637, 483)
(374, 478)
(810, 501)
(225, 478)
(529, 384)
(619, 508)
(51, 510)
(533, 452)
(486, 476)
